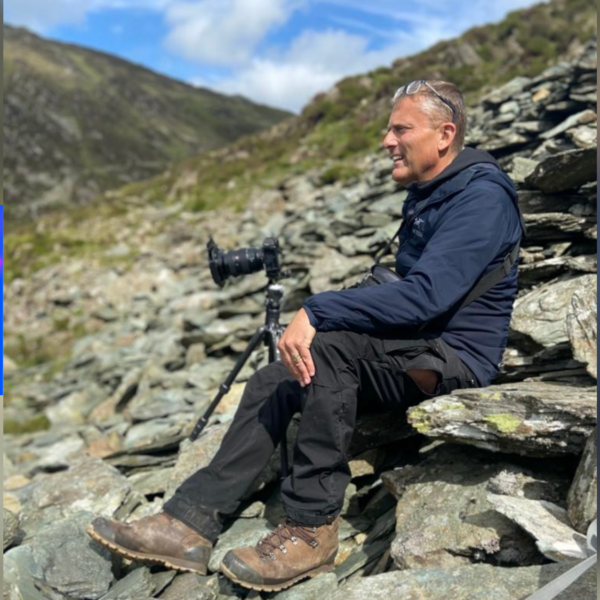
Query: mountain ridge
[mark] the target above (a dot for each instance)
(78, 121)
(328, 140)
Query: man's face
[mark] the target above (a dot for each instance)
(413, 143)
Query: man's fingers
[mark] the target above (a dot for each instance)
(300, 369)
(308, 361)
(294, 348)
(294, 359)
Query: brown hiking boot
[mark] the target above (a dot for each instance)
(284, 556)
(160, 539)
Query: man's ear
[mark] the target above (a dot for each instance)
(447, 133)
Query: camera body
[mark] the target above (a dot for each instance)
(244, 261)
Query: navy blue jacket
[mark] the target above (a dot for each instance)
(455, 228)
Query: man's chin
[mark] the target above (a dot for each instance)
(401, 177)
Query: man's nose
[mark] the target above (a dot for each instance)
(388, 141)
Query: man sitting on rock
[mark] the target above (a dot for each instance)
(370, 349)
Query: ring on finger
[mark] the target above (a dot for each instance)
(297, 358)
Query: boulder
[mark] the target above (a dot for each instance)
(474, 582)
(583, 495)
(62, 561)
(533, 419)
(564, 171)
(444, 517)
(582, 324)
(547, 523)
(542, 313)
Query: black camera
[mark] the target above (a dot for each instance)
(244, 261)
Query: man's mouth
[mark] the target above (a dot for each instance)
(397, 158)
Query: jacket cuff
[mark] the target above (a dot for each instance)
(311, 316)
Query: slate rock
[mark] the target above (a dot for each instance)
(547, 523)
(547, 482)
(333, 268)
(244, 532)
(506, 92)
(474, 582)
(190, 586)
(137, 584)
(584, 136)
(529, 418)
(542, 313)
(88, 485)
(62, 561)
(555, 227)
(581, 118)
(565, 170)
(75, 407)
(444, 518)
(10, 529)
(583, 495)
(56, 456)
(582, 324)
(317, 588)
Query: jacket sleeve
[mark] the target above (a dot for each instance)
(481, 222)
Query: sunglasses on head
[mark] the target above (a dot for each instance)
(415, 86)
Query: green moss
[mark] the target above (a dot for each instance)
(491, 396)
(61, 323)
(504, 422)
(56, 367)
(421, 427)
(449, 405)
(419, 419)
(29, 351)
(37, 423)
(338, 172)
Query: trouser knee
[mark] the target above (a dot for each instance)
(263, 382)
(332, 353)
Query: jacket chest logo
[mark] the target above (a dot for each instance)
(417, 226)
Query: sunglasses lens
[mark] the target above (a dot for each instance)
(413, 87)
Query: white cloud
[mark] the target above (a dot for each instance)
(42, 15)
(234, 32)
(472, 11)
(315, 62)
(222, 31)
(276, 84)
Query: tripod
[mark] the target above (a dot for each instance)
(269, 334)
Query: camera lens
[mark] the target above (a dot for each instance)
(242, 261)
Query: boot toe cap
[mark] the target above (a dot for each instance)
(103, 528)
(237, 567)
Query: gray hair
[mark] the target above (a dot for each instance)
(438, 112)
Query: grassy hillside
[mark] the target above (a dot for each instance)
(349, 119)
(78, 122)
(333, 131)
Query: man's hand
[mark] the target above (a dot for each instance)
(294, 348)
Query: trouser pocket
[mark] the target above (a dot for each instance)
(421, 354)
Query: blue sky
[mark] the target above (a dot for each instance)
(276, 52)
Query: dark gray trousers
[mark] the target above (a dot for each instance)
(355, 373)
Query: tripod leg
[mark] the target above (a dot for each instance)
(225, 386)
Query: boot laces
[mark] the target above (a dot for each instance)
(276, 539)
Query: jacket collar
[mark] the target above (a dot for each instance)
(467, 157)
(455, 184)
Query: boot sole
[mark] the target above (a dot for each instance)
(264, 587)
(167, 561)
